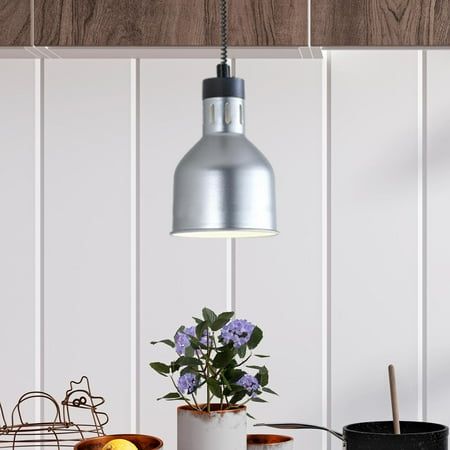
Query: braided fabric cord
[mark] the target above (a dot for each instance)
(224, 30)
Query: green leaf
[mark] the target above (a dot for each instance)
(188, 361)
(180, 329)
(200, 329)
(171, 396)
(189, 351)
(242, 351)
(263, 376)
(226, 391)
(162, 369)
(269, 391)
(222, 320)
(197, 320)
(258, 400)
(209, 316)
(255, 338)
(251, 417)
(215, 387)
(164, 341)
(223, 359)
(262, 356)
(233, 362)
(238, 397)
(186, 370)
(234, 375)
(255, 367)
(237, 388)
(226, 384)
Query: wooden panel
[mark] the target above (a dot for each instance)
(168, 22)
(87, 230)
(380, 22)
(438, 236)
(278, 279)
(15, 22)
(16, 230)
(374, 230)
(179, 275)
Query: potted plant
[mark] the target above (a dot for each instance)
(212, 376)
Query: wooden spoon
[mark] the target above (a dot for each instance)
(394, 399)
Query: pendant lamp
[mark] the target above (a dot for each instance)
(224, 187)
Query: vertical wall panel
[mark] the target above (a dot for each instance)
(278, 279)
(374, 233)
(438, 236)
(87, 231)
(87, 245)
(16, 230)
(178, 275)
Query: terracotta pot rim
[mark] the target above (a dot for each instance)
(239, 408)
(275, 439)
(127, 436)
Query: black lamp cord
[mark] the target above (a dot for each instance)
(224, 31)
(223, 69)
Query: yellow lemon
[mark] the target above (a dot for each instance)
(119, 444)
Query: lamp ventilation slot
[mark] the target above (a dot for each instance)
(227, 113)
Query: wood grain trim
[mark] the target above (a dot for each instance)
(380, 22)
(168, 22)
(15, 22)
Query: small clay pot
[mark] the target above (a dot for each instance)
(141, 441)
(269, 442)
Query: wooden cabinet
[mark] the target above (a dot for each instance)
(380, 22)
(168, 22)
(252, 23)
(15, 22)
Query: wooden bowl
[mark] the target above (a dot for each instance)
(269, 441)
(141, 441)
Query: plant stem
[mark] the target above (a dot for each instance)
(225, 382)
(246, 401)
(195, 401)
(180, 393)
(208, 392)
(245, 360)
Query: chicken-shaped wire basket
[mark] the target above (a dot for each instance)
(79, 419)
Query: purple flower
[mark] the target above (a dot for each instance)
(183, 341)
(188, 383)
(238, 332)
(250, 383)
(205, 338)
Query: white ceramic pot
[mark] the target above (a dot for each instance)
(269, 442)
(216, 430)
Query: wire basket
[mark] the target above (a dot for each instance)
(62, 431)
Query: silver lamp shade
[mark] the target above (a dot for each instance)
(224, 186)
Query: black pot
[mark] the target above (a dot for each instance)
(380, 435)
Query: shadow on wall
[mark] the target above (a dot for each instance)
(401, 171)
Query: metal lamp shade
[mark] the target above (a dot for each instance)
(224, 187)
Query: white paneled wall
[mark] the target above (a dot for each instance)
(87, 228)
(438, 251)
(17, 230)
(357, 279)
(278, 281)
(374, 240)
